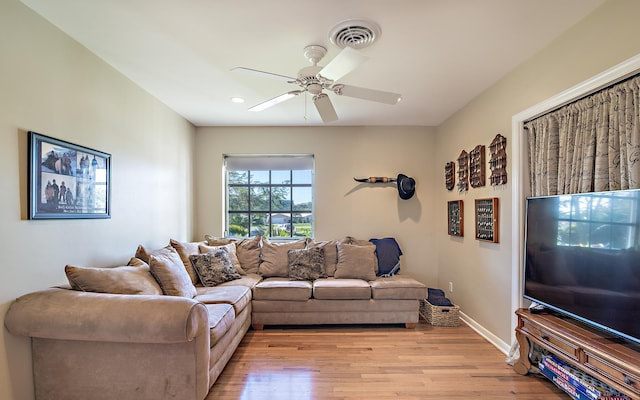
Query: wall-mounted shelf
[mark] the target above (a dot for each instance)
(487, 220)
(455, 218)
(450, 175)
(498, 161)
(477, 166)
(463, 171)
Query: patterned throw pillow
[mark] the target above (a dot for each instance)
(214, 268)
(306, 264)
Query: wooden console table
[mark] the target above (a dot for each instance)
(605, 357)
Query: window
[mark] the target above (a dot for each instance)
(269, 195)
(605, 222)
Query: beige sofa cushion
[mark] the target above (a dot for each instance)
(144, 254)
(397, 287)
(275, 261)
(221, 317)
(282, 289)
(116, 280)
(248, 280)
(356, 262)
(248, 251)
(169, 271)
(218, 241)
(237, 296)
(341, 289)
(231, 248)
(360, 242)
(186, 249)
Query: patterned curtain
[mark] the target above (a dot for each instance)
(590, 145)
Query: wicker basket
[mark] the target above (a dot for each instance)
(439, 315)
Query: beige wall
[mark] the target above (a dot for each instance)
(50, 84)
(342, 206)
(481, 272)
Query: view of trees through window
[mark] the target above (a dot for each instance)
(271, 203)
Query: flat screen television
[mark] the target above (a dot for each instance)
(582, 258)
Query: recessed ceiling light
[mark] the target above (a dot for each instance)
(237, 100)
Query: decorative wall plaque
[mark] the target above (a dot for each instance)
(463, 171)
(477, 166)
(498, 161)
(449, 175)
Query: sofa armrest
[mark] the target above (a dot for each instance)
(74, 315)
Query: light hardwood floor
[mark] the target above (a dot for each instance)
(373, 362)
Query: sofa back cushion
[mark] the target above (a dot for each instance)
(170, 273)
(186, 249)
(357, 262)
(116, 280)
(275, 259)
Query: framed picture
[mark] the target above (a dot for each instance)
(67, 180)
(455, 218)
(487, 219)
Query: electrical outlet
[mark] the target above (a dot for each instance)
(450, 287)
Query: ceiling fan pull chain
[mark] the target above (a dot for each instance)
(305, 106)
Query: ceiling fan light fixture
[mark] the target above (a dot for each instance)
(355, 33)
(276, 100)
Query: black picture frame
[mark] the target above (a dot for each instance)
(67, 181)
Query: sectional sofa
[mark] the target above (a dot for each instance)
(165, 325)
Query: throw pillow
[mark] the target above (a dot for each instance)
(388, 253)
(248, 251)
(144, 254)
(136, 262)
(116, 280)
(330, 250)
(184, 251)
(275, 260)
(231, 248)
(218, 241)
(359, 242)
(356, 262)
(215, 267)
(169, 271)
(306, 264)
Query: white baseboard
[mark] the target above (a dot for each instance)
(493, 339)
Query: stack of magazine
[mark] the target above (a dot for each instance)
(576, 383)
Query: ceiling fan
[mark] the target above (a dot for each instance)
(316, 80)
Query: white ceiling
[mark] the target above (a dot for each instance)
(439, 54)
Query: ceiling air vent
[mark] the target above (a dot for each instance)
(355, 33)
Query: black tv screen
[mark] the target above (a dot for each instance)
(582, 258)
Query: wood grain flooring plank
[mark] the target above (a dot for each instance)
(377, 362)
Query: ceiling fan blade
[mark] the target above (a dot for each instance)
(276, 100)
(346, 61)
(367, 94)
(325, 108)
(271, 75)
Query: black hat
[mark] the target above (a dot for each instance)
(406, 186)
